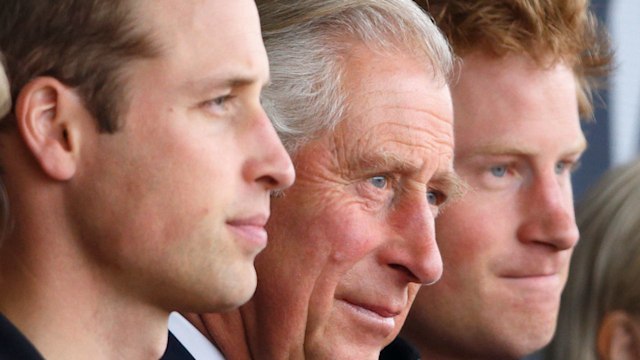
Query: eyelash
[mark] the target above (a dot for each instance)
(570, 165)
(384, 177)
(220, 101)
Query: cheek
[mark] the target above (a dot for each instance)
(412, 291)
(353, 235)
(461, 225)
(334, 230)
(465, 237)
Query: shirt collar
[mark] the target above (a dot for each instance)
(197, 344)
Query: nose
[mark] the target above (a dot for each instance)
(413, 248)
(549, 214)
(271, 165)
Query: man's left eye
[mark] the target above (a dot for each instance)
(221, 100)
(562, 166)
(379, 181)
(219, 104)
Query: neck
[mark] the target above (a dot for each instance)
(67, 309)
(225, 330)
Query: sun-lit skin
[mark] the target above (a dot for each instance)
(506, 244)
(353, 239)
(193, 164)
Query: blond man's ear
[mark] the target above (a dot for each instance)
(619, 337)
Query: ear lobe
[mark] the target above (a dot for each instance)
(42, 116)
(619, 337)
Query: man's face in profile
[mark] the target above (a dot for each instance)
(506, 245)
(354, 237)
(181, 193)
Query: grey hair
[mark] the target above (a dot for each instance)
(307, 41)
(606, 264)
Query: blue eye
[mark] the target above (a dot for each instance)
(432, 199)
(218, 105)
(562, 166)
(379, 182)
(435, 197)
(498, 171)
(220, 101)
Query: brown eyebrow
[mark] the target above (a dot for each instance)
(209, 84)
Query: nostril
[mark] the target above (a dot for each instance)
(269, 181)
(411, 277)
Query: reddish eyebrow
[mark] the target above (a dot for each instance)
(497, 148)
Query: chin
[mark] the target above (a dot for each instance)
(239, 290)
(525, 345)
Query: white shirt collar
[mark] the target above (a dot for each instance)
(197, 344)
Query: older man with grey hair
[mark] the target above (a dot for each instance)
(359, 97)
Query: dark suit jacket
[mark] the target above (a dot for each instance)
(175, 350)
(399, 349)
(14, 345)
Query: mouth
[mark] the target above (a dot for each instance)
(379, 318)
(251, 230)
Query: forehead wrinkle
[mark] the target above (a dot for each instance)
(403, 150)
(406, 134)
(433, 115)
(427, 110)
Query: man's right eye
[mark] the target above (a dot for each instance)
(378, 181)
(499, 170)
(219, 105)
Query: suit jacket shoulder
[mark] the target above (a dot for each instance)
(175, 350)
(14, 345)
(399, 349)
